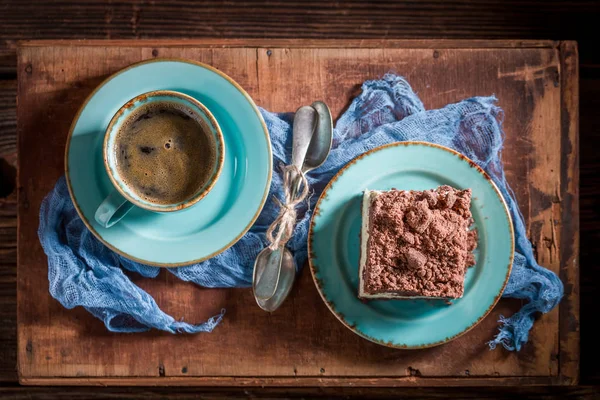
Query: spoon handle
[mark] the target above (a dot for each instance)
(271, 276)
(296, 184)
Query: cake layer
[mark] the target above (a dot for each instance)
(415, 244)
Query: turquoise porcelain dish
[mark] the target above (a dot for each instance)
(334, 245)
(220, 218)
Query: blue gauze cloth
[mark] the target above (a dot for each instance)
(84, 272)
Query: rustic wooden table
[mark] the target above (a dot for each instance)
(352, 20)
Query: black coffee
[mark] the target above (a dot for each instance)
(165, 153)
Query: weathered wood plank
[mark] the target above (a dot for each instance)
(8, 288)
(304, 43)
(589, 219)
(8, 121)
(569, 201)
(182, 393)
(8, 231)
(135, 19)
(298, 381)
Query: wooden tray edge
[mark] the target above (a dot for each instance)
(320, 43)
(409, 381)
(569, 308)
(569, 264)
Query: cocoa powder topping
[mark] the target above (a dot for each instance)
(419, 243)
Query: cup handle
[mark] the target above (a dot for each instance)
(112, 209)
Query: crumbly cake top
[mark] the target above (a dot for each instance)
(419, 243)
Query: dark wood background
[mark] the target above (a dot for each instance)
(476, 19)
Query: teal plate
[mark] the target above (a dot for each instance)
(334, 245)
(218, 220)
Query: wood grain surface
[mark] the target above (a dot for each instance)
(8, 231)
(472, 19)
(569, 209)
(185, 393)
(302, 343)
(350, 19)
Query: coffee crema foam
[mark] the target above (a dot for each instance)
(165, 153)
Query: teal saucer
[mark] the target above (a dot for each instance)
(219, 219)
(334, 246)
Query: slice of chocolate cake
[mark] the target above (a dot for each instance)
(415, 244)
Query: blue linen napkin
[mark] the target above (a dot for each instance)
(84, 272)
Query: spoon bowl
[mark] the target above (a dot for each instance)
(320, 144)
(271, 284)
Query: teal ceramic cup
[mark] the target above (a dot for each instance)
(123, 199)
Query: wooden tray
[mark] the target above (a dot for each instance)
(302, 344)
